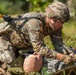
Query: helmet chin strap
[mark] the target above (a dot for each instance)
(51, 25)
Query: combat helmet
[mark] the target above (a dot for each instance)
(58, 10)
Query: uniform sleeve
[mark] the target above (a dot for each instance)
(58, 44)
(35, 30)
(5, 28)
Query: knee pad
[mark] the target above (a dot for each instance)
(6, 56)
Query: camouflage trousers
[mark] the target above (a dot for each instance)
(53, 65)
(6, 50)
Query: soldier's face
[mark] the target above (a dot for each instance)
(56, 23)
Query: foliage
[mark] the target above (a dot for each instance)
(38, 5)
(64, 1)
(12, 6)
(69, 31)
(22, 6)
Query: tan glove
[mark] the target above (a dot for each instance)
(1, 71)
(68, 60)
(3, 66)
(74, 57)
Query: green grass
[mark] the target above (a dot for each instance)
(69, 31)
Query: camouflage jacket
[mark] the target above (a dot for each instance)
(32, 33)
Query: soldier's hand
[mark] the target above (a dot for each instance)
(68, 60)
(74, 57)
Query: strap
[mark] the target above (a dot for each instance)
(11, 20)
(25, 20)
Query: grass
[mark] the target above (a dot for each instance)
(69, 31)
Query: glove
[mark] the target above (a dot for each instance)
(74, 57)
(2, 72)
(7, 18)
(68, 60)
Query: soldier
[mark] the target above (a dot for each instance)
(29, 35)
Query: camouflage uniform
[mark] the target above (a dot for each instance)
(30, 34)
